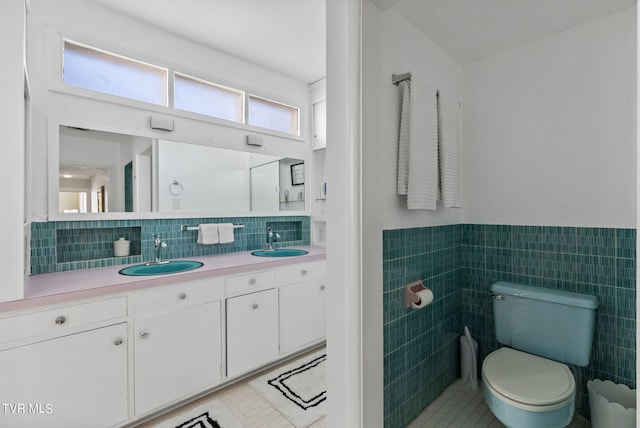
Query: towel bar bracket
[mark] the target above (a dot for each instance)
(397, 78)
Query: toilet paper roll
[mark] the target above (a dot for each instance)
(426, 297)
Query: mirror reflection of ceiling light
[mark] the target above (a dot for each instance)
(67, 176)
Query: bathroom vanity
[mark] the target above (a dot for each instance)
(95, 348)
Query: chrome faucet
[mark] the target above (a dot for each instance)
(158, 245)
(271, 238)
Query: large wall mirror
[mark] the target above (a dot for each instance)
(106, 172)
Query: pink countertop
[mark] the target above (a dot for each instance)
(62, 287)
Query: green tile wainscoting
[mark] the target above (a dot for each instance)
(420, 346)
(460, 262)
(58, 246)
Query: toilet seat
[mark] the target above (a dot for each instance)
(527, 381)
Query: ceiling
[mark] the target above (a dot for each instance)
(82, 172)
(288, 36)
(469, 30)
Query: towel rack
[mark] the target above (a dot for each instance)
(186, 227)
(176, 188)
(397, 78)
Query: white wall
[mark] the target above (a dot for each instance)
(550, 130)
(84, 22)
(373, 213)
(406, 49)
(344, 326)
(210, 182)
(12, 114)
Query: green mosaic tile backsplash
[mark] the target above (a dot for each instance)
(70, 245)
(598, 261)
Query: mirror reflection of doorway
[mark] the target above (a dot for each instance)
(72, 202)
(128, 188)
(80, 187)
(265, 187)
(101, 199)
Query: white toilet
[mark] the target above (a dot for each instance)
(527, 384)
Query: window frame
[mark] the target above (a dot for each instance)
(165, 70)
(276, 103)
(243, 96)
(55, 83)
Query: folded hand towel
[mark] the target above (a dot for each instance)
(208, 234)
(225, 232)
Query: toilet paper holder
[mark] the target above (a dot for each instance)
(411, 293)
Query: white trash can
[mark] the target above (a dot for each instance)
(612, 405)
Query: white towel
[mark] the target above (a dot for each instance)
(208, 234)
(422, 188)
(403, 139)
(225, 233)
(450, 153)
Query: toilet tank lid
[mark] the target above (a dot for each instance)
(545, 294)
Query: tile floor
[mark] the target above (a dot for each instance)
(457, 407)
(248, 406)
(462, 407)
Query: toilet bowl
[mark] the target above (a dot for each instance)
(527, 391)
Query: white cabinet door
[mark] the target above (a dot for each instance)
(252, 331)
(320, 125)
(302, 314)
(176, 354)
(78, 380)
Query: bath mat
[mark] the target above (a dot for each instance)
(200, 421)
(211, 414)
(297, 390)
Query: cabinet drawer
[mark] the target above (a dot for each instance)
(302, 272)
(60, 319)
(177, 295)
(250, 282)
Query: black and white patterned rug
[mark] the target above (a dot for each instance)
(210, 414)
(200, 421)
(298, 390)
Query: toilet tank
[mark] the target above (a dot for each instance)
(550, 323)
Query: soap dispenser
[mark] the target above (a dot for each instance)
(121, 247)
